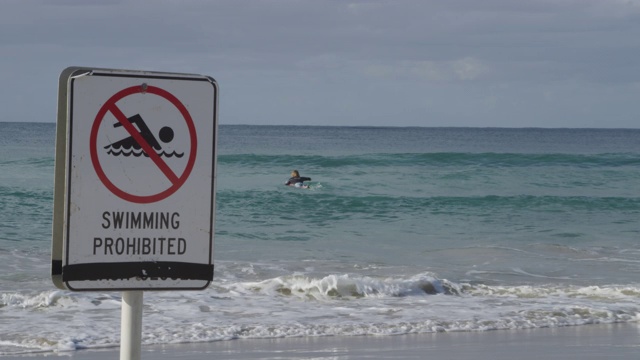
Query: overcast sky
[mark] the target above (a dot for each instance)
(485, 63)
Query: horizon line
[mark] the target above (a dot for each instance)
(387, 126)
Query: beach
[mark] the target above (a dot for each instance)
(616, 341)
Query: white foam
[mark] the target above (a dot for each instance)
(305, 304)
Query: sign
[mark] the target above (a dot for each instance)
(135, 180)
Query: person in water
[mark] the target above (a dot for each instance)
(297, 180)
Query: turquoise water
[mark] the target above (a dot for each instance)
(397, 195)
(404, 230)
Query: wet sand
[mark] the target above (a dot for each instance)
(618, 341)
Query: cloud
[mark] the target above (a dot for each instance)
(469, 68)
(466, 69)
(307, 52)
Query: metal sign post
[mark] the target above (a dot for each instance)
(131, 325)
(134, 193)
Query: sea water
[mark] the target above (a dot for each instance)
(404, 230)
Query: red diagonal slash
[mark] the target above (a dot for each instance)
(122, 118)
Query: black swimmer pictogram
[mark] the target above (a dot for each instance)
(129, 146)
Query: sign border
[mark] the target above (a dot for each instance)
(62, 272)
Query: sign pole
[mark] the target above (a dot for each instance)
(131, 325)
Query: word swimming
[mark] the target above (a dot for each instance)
(139, 246)
(140, 220)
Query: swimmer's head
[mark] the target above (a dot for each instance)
(295, 173)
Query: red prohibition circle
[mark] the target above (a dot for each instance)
(176, 180)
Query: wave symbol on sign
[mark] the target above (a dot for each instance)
(130, 147)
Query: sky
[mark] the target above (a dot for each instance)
(478, 63)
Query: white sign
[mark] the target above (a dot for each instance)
(139, 180)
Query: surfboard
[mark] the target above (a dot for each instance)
(300, 187)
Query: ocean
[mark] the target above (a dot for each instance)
(403, 231)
